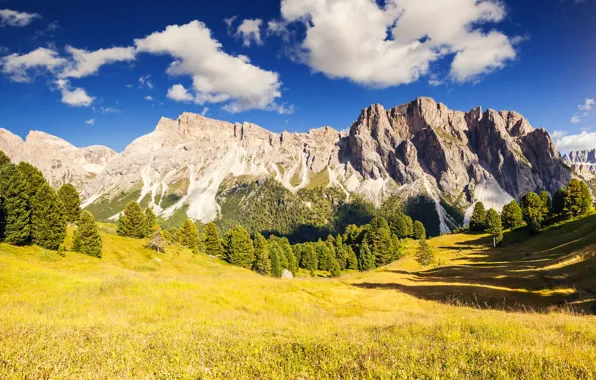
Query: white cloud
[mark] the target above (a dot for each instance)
(583, 141)
(584, 110)
(17, 67)
(559, 134)
(91, 122)
(85, 63)
(129, 86)
(149, 98)
(229, 22)
(217, 76)
(587, 106)
(109, 110)
(73, 97)
(146, 81)
(250, 31)
(396, 43)
(180, 94)
(205, 110)
(13, 18)
(575, 119)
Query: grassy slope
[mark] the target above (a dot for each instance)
(138, 314)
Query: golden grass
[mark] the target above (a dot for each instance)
(138, 314)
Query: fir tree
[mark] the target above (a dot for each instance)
(558, 204)
(366, 260)
(533, 211)
(396, 248)
(262, 262)
(213, 243)
(309, 258)
(86, 238)
(323, 255)
(546, 201)
(4, 160)
(132, 222)
(276, 268)
(409, 226)
(352, 260)
(586, 199)
(69, 196)
(48, 224)
(34, 178)
(189, 234)
(239, 248)
(151, 220)
(419, 230)
(494, 226)
(334, 269)
(478, 219)
(512, 215)
(399, 226)
(424, 253)
(292, 264)
(17, 224)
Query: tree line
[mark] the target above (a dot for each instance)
(535, 212)
(32, 212)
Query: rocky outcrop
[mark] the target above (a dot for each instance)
(583, 163)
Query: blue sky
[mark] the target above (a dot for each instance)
(291, 65)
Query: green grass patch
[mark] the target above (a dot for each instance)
(106, 207)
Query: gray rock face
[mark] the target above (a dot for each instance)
(419, 148)
(582, 162)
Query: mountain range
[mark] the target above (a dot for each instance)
(419, 150)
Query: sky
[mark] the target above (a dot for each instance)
(104, 73)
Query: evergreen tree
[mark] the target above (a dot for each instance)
(512, 215)
(34, 178)
(262, 262)
(533, 211)
(86, 238)
(424, 253)
(157, 241)
(399, 226)
(558, 204)
(239, 248)
(17, 224)
(276, 268)
(323, 255)
(334, 269)
(4, 160)
(151, 220)
(213, 244)
(366, 260)
(309, 258)
(478, 219)
(546, 201)
(586, 199)
(396, 248)
(189, 234)
(419, 230)
(69, 196)
(132, 222)
(48, 224)
(409, 225)
(494, 226)
(340, 252)
(352, 260)
(577, 199)
(292, 264)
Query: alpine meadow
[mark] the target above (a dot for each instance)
(149, 232)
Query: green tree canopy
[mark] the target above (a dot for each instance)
(478, 219)
(419, 230)
(48, 224)
(366, 259)
(17, 213)
(578, 200)
(558, 204)
(239, 249)
(512, 215)
(86, 237)
(132, 222)
(69, 196)
(151, 220)
(189, 234)
(424, 254)
(534, 211)
(494, 226)
(262, 261)
(213, 243)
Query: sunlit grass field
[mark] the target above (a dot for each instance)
(479, 313)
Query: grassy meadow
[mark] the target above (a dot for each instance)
(516, 312)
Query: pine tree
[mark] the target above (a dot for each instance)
(4, 160)
(512, 215)
(34, 178)
(48, 224)
(239, 248)
(396, 248)
(213, 243)
(276, 268)
(424, 253)
(409, 225)
(86, 238)
(419, 230)
(533, 211)
(157, 241)
(262, 262)
(558, 204)
(352, 259)
(340, 252)
(399, 226)
(323, 255)
(478, 219)
(586, 199)
(189, 234)
(151, 220)
(17, 228)
(334, 269)
(292, 264)
(69, 196)
(494, 226)
(309, 258)
(366, 260)
(132, 222)
(546, 201)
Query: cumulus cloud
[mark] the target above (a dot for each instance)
(584, 110)
(19, 67)
(575, 119)
(180, 94)
(91, 122)
(559, 134)
(250, 31)
(217, 76)
(583, 141)
(76, 97)
(395, 44)
(149, 98)
(17, 19)
(84, 63)
(587, 106)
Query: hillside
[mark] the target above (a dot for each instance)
(138, 314)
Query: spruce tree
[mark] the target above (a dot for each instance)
(478, 219)
(276, 268)
(132, 222)
(289, 254)
(399, 226)
(262, 261)
(512, 215)
(86, 238)
(48, 223)
(352, 260)
(533, 211)
(424, 253)
(323, 255)
(574, 205)
(4, 160)
(334, 269)
(494, 226)
(586, 199)
(17, 227)
(151, 220)
(309, 258)
(34, 178)
(546, 201)
(558, 204)
(366, 260)
(409, 226)
(419, 230)
(69, 196)
(189, 234)
(213, 243)
(239, 248)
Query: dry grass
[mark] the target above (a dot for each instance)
(137, 314)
